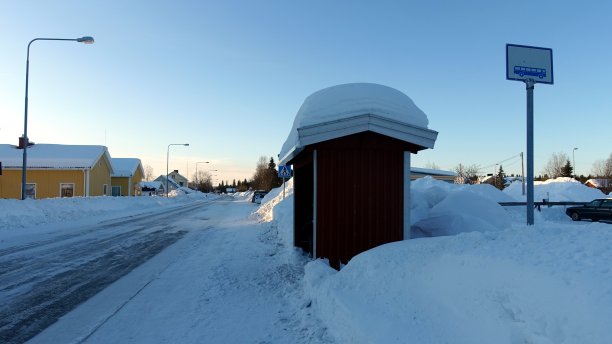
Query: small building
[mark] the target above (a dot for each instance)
(418, 172)
(605, 185)
(126, 177)
(55, 170)
(350, 148)
(172, 184)
(181, 180)
(152, 188)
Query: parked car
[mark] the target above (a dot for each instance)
(258, 195)
(599, 209)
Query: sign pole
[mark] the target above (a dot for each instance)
(529, 83)
(283, 187)
(530, 65)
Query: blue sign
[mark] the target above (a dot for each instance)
(284, 171)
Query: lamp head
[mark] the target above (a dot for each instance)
(86, 39)
(185, 144)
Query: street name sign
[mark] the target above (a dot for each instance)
(524, 63)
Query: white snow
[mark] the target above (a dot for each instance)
(124, 167)
(349, 100)
(482, 277)
(43, 155)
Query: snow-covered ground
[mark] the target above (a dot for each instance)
(474, 273)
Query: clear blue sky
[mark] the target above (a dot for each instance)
(229, 76)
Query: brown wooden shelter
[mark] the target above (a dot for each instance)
(352, 183)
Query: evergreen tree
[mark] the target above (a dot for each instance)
(567, 169)
(500, 179)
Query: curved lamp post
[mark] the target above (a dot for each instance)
(168, 159)
(84, 39)
(574, 160)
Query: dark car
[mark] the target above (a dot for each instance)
(599, 209)
(258, 195)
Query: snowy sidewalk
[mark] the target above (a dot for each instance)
(227, 281)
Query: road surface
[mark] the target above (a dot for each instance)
(214, 274)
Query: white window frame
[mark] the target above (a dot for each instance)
(105, 189)
(35, 189)
(60, 190)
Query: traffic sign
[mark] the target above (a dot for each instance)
(524, 62)
(284, 171)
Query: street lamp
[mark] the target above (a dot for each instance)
(574, 160)
(168, 159)
(199, 162)
(84, 39)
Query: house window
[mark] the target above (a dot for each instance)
(66, 189)
(116, 189)
(30, 191)
(105, 189)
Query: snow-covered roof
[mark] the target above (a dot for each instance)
(53, 156)
(353, 108)
(599, 183)
(162, 178)
(125, 167)
(432, 172)
(151, 185)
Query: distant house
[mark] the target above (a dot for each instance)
(127, 174)
(182, 181)
(55, 170)
(418, 172)
(605, 185)
(172, 184)
(152, 188)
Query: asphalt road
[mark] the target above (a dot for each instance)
(43, 280)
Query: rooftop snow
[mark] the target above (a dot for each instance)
(52, 156)
(125, 167)
(369, 105)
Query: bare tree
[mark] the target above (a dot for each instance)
(555, 165)
(466, 174)
(603, 168)
(259, 178)
(432, 166)
(148, 171)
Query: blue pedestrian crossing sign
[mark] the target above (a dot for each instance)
(284, 171)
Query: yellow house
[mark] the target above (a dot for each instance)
(55, 171)
(126, 178)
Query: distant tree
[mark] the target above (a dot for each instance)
(567, 169)
(554, 167)
(500, 178)
(603, 168)
(265, 176)
(148, 173)
(466, 174)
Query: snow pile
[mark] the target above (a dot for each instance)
(279, 211)
(561, 189)
(544, 284)
(18, 214)
(349, 100)
(439, 208)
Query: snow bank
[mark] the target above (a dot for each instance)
(439, 208)
(279, 212)
(531, 285)
(561, 189)
(17, 214)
